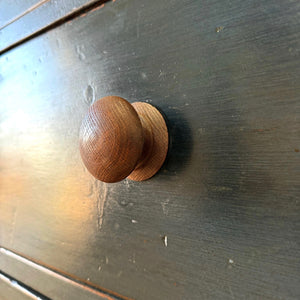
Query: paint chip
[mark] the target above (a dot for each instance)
(220, 28)
(165, 240)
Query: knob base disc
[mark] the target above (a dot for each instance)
(156, 142)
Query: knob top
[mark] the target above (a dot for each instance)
(111, 139)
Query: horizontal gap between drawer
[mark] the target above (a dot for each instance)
(10, 259)
(21, 287)
(68, 17)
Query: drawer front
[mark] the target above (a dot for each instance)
(221, 218)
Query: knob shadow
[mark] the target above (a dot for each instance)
(180, 141)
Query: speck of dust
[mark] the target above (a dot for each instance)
(134, 221)
(230, 261)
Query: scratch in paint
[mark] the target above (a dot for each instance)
(101, 199)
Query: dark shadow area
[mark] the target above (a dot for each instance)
(180, 141)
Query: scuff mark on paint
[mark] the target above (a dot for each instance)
(100, 205)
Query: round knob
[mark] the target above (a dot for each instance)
(119, 140)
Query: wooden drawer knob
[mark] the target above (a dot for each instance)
(119, 140)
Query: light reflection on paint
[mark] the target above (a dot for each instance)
(44, 190)
(16, 121)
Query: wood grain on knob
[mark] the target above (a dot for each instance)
(118, 139)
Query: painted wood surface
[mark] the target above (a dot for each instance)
(20, 19)
(9, 10)
(221, 219)
(27, 277)
(10, 289)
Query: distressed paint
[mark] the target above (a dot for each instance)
(228, 196)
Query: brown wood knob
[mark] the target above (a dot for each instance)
(119, 140)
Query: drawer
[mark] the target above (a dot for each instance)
(221, 218)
